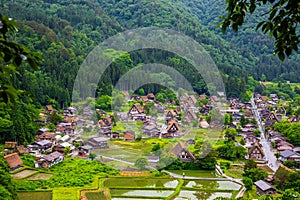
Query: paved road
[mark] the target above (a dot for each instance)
(266, 146)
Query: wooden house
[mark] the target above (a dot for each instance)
(14, 161)
(144, 99)
(49, 109)
(61, 147)
(181, 151)
(151, 97)
(42, 130)
(283, 145)
(136, 112)
(160, 108)
(214, 99)
(43, 144)
(46, 136)
(294, 118)
(98, 142)
(256, 152)
(106, 125)
(134, 98)
(192, 99)
(289, 155)
(115, 135)
(171, 129)
(22, 150)
(150, 129)
(49, 160)
(129, 136)
(10, 147)
(65, 128)
(85, 150)
(264, 188)
(271, 119)
(170, 114)
(190, 114)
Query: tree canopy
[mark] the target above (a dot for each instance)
(282, 21)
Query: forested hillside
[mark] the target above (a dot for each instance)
(65, 31)
(251, 44)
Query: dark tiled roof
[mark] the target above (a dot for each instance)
(263, 185)
(52, 156)
(287, 153)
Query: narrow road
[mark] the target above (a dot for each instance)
(114, 159)
(122, 161)
(266, 146)
(194, 178)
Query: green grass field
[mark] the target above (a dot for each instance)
(235, 171)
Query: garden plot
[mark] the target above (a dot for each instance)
(39, 176)
(95, 195)
(118, 198)
(23, 174)
(205, 195)
(140, 183)
(129, 155)
(35, 195)
(140, 193)
(212, 185)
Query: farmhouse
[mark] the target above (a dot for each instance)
(49, 160)
(129, 136)
(66, 128)
(43, 144)
(14, 161)
(170, 130)
(255, 152)
(183, 153)
(49, 109)
(46, 136)
(105, 125)
(150, 129)
(98, 142)
(151, 97)
(10, 147)
(136, 112)
(84, 150)
(171, 114)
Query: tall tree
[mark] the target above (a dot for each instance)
(282, 22)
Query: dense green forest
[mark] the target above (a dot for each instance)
(64, 32)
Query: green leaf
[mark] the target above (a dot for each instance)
(259, 25)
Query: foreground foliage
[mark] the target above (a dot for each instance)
(7, 188)
(71, 173)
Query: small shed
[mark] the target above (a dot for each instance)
(263, 187)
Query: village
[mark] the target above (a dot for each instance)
(251, 121)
